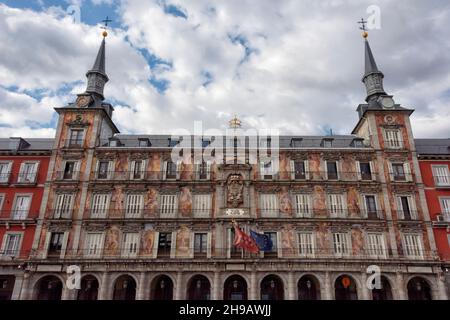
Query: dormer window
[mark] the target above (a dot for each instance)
(114, 142)
(144, 143)
(327, 143)
(174, 141)
(296, 142)
(358, 143)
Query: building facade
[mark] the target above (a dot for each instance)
(141, 225)
(434, 161)
(23, 170)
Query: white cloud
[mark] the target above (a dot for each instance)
(291, 65)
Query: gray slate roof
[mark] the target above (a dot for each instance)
(26, 144)
(433, 146)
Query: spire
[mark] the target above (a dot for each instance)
(97, 77)
(99, 64)
(373, 78)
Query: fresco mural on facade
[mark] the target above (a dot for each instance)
(288, 243)
(183, 239)
(112, 241)
(285, 201)
(151, 203)
(185, 202)
(147, 243)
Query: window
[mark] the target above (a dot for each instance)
(413, 246)
(70, 170)
(406, 208)
(342, 244)
(327, 143)
(296, 142)
(144, 143)
(76, 138)
(63, 206)
(94, 245)
(400, 171)
(299, 170)
(441, 175)
(168, 207)
(28, 171)
(130, 244)
(56, 242)
(104, 169)
(266, 170)
(370, 205)
(358, 143)
(173, 142)
(2, 198)
(170, 170)
(5, 171)
(200, 244)
(336, 206)
(137, 169)
(376, 245)
(203, 170)
(100, 205)
(134, 205)
(202, 205)
(364, 170)
(21, 207)
(11, 244)
(445, 207)
(269, 205)
(272, 236)
(306, 244)
(303, 205)
(332, 171)
(164, 243)
(393, 139)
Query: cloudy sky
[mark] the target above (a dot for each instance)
(292, 65)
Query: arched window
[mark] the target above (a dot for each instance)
(345, 288)
(88, 288)
(49, 288)
(383, 293)
(199, 288)
(272, 288)
(419, 289)
(162, 288)
(308, 288)
(125, 288)
(235, 288)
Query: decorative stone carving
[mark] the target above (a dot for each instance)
(235, 188)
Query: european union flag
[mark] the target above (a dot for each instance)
(263, 241)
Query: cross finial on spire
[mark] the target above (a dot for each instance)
(363, 27)
(105, 27)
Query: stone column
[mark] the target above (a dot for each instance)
(18, 283)
(26, 291)
(400, 284)
(216, 286)
(327, 293)
(442, 290)
(291, 286)
(365, 292)
(104, 293)
(253, 295)
(67, 294)
(179, 286)
(142, 287)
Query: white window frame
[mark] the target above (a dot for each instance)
(30, 176)
(17, 250)
(134, 205)
(358, 170)
(303, 208)
(364, 209)
(338, 169)
(338, 208)
(202, 205)
(269, 205)
(99, 209)
(168, 210)
(308, 248)
(393, 139)
(444, 202)
(342, 244)
(63, 205)
(441, 179)
(305, 166)
(142, 170)
(376, 245)
(2, 200)
(208, 171)
(76, 169)
(6, 173)
(110, 169)
(406, 170)
(23, 214)
(69, 136)
(410, 240)
(97, 250)
(130, 244)
(207, 248)
(411, 204)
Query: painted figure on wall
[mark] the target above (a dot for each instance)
(151, 203)
(112, 241)
(117, 199)
(357, 241)
(185, 202)
(288, 241)
(319, 201)
(285, 201)
(183, 239)
(284, 167)
(154, 166)
(235, 187)
(147, 243)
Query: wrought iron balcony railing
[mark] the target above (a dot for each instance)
(150, 175)
(318, 176)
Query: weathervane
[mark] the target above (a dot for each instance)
(105, 27)
(363, 27)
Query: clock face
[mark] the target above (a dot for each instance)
(83, 101)
(387, 102)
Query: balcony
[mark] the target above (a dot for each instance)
(442, 181)
(67, 175)
(442, 220)
(26, 178)
(143, 176)
(73, 143)
(61, 214)
(351, 176)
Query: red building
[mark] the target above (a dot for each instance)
(23, 172)
(434, 162)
